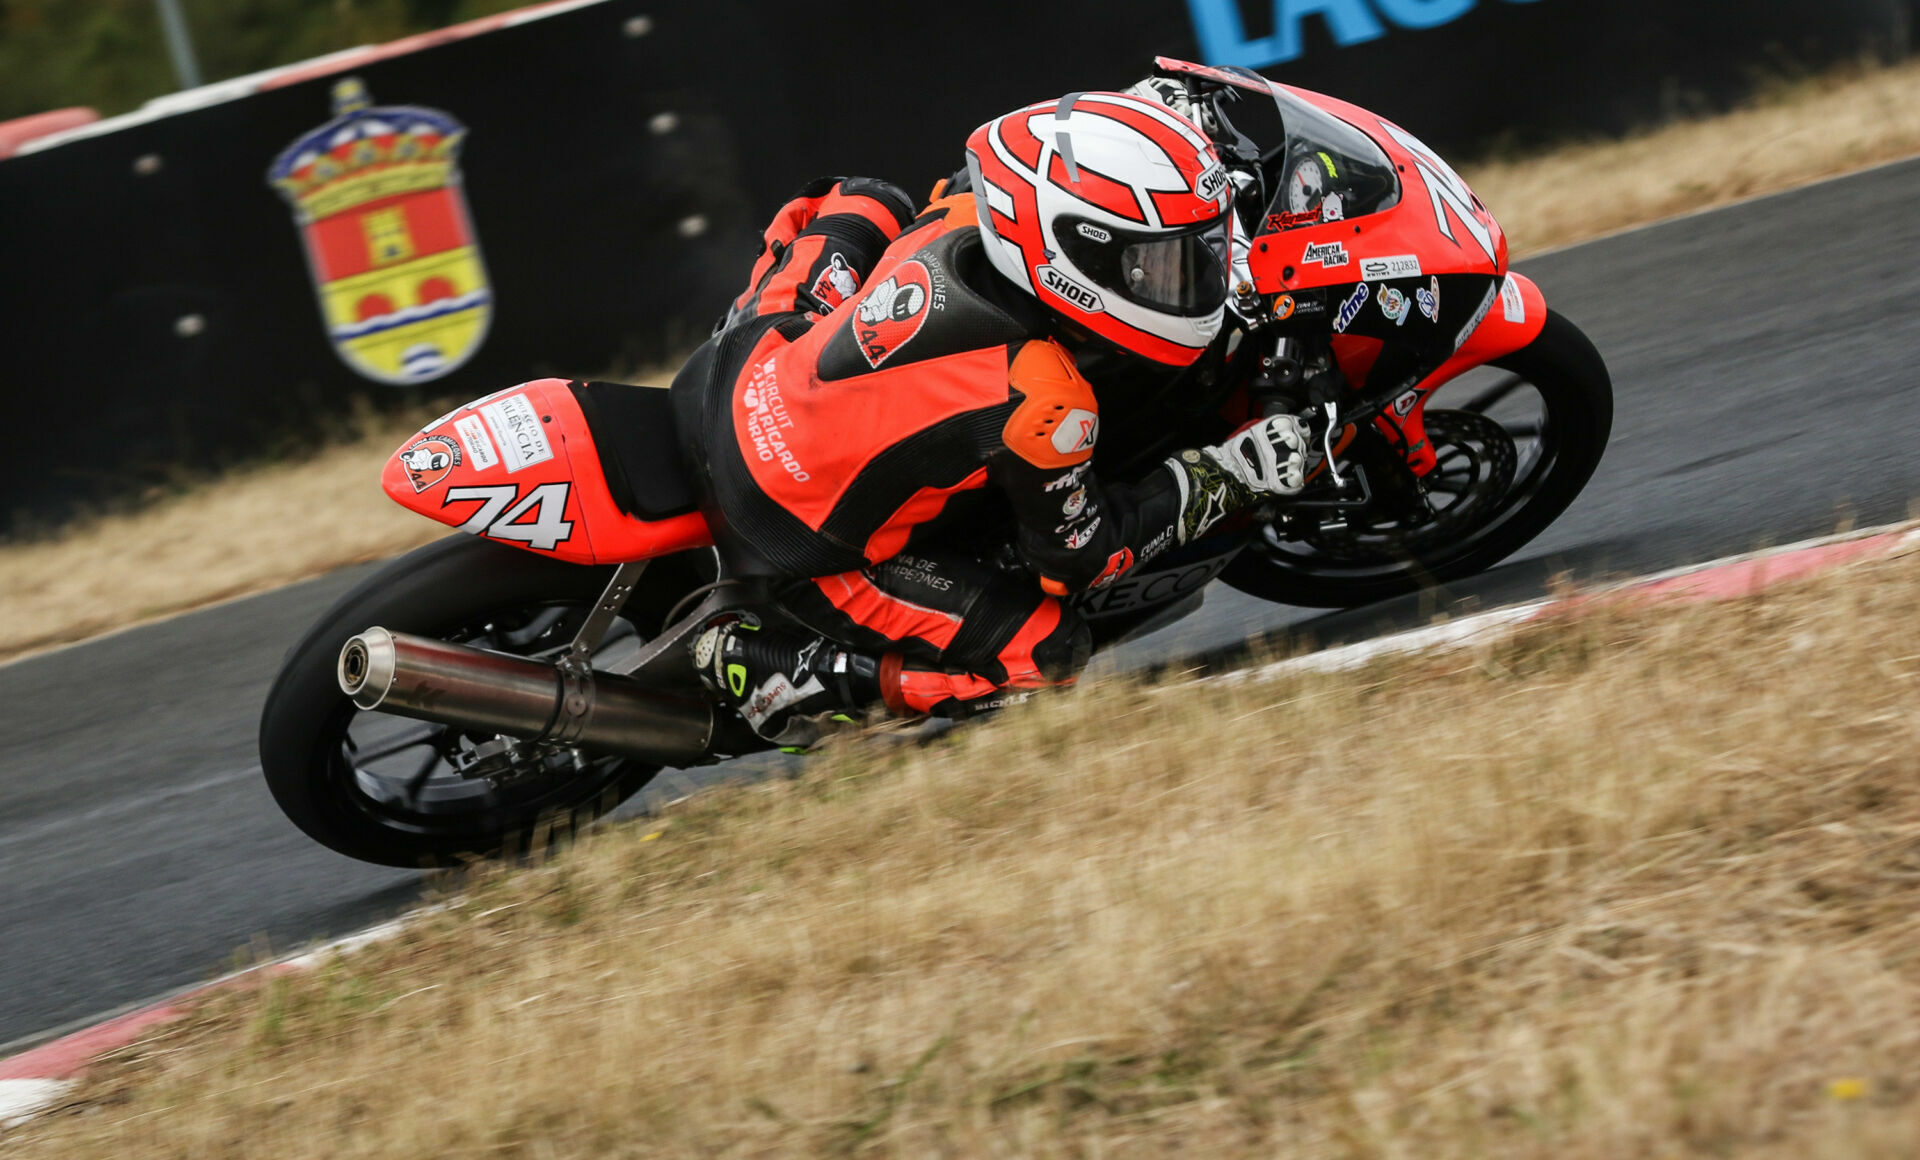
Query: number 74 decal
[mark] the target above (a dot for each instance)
(500, 517)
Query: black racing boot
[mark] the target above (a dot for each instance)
(791, 689)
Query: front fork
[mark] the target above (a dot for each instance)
(1380, 433)
(1370, 453)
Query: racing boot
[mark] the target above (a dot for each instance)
(791, 689)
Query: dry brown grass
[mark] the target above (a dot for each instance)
(261, 528)
(1636, 884)
(255, 529)
(1792, 135)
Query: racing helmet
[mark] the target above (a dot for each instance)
(1114, 211)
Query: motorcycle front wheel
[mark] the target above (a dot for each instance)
(401, 792)
(1516, 442)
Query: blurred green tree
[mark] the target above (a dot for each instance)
(110, 54)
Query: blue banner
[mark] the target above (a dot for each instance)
(1223, 38)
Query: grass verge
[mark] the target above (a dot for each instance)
(1788, 136)
(249, 531)
(260, 528)
(1633, 883)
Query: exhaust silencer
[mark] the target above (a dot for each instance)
(490, 692)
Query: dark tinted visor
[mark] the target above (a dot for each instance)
(1183, 272)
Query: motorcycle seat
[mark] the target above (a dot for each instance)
(633, 430)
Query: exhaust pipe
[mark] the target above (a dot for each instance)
(490, 692)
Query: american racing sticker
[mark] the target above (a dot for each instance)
(1328, 255)
(517, 426)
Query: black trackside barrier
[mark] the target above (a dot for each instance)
(616, 162)
(157, 302)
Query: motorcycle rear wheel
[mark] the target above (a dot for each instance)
(384, 789)
(1570, 378)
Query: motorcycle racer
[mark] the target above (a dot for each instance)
(891, 379)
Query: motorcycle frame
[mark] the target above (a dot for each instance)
(1436, 220)
(587, 527)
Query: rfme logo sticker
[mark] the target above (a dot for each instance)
(1223, 35)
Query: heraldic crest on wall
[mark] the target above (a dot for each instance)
(376, 195)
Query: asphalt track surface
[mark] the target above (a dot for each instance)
(1764, 366)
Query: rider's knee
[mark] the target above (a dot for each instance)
(1062, 653)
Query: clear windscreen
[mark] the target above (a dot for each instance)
(1321, 169)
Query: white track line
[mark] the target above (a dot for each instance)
(347, 944)
(1498, 622)
(22, 1099)
(1446, 635)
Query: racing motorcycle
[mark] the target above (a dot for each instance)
(480, 691)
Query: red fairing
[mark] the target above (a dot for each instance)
(519, 467)
(1437, 220)
(1437, 228)
(1515, 316)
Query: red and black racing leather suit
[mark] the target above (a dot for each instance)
(838, 449)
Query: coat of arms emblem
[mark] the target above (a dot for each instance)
(376, 194)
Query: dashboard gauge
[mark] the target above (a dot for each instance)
(1306, 184)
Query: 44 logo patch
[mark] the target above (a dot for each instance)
(430, 460)
(892, 312)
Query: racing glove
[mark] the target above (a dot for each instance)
(1268, 458)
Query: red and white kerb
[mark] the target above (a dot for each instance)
(1115, 161)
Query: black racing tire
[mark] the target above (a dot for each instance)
(1562, 365)
(434, 591)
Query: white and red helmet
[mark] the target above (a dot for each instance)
(1113, 211)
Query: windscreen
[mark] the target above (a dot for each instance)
(1326, 170)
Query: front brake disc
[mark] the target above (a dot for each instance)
(1475, 463)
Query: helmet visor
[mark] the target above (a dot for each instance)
(1181, 272)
